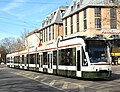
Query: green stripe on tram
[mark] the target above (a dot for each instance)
(94, 74)
(68, 73)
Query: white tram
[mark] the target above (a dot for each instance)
(74, 57)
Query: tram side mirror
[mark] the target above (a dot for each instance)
(85, 63)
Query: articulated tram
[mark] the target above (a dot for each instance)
(73, 57)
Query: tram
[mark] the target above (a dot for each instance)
(73, 57)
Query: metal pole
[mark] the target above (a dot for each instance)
(57, 58)
(58, 40)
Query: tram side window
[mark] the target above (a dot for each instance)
(32, 58)
(54, 57)
(8, 60)
(84, 60)
(45, 58)
(16, 59)
(27, 59)
(67, 57)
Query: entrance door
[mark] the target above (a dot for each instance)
(78, 61)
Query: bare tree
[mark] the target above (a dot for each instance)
(7, 44)
(18, 45)
(23, 37)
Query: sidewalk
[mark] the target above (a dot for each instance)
(116, 66)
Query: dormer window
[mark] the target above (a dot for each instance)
(42, 24)
(52, 16)
(50, 20)
(71, 8)
(47, 22)
(78, 5)
(54, 13)
(112, 1)
(62, 12)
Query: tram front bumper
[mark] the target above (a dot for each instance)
(98, 71)
(98, 74)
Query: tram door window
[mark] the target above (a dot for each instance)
(37, 59)
(41, 60)
(54, 57)
(78, 60)
(27, 59)
(50, 59)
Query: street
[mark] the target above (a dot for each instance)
(15, 80)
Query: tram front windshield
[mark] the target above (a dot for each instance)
(97, 51)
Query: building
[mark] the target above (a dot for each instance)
(52, 26)
(92, 18)
(32, 40)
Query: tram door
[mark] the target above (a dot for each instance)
(78, 61)
(40, 61)
(50, 61)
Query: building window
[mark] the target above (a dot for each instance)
(85, 14)
(62, 12)
(113, 18)
(50, 20)
(71, 8)
(78, 5)
(97, 23)
(53, 31)
(97, 12)
(85, 24)
(46, 35)
(65, 26)
(42, 24)
(112, 12)
(112, 1)
(77, 22)
(41, 36)
(113, 24)
(85, 20)
(49, 33)
(71, 24)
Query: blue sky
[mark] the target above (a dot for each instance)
(19, 15)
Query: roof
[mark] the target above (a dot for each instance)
(31, 33)
(78, 5)
(54, 17)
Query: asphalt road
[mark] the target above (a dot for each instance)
(11, 82)
(14, 80)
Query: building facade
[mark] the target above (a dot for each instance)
(52, 26)
(94, 18)
(91, 18)
(32, 39)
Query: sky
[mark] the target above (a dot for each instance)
(18, 16)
